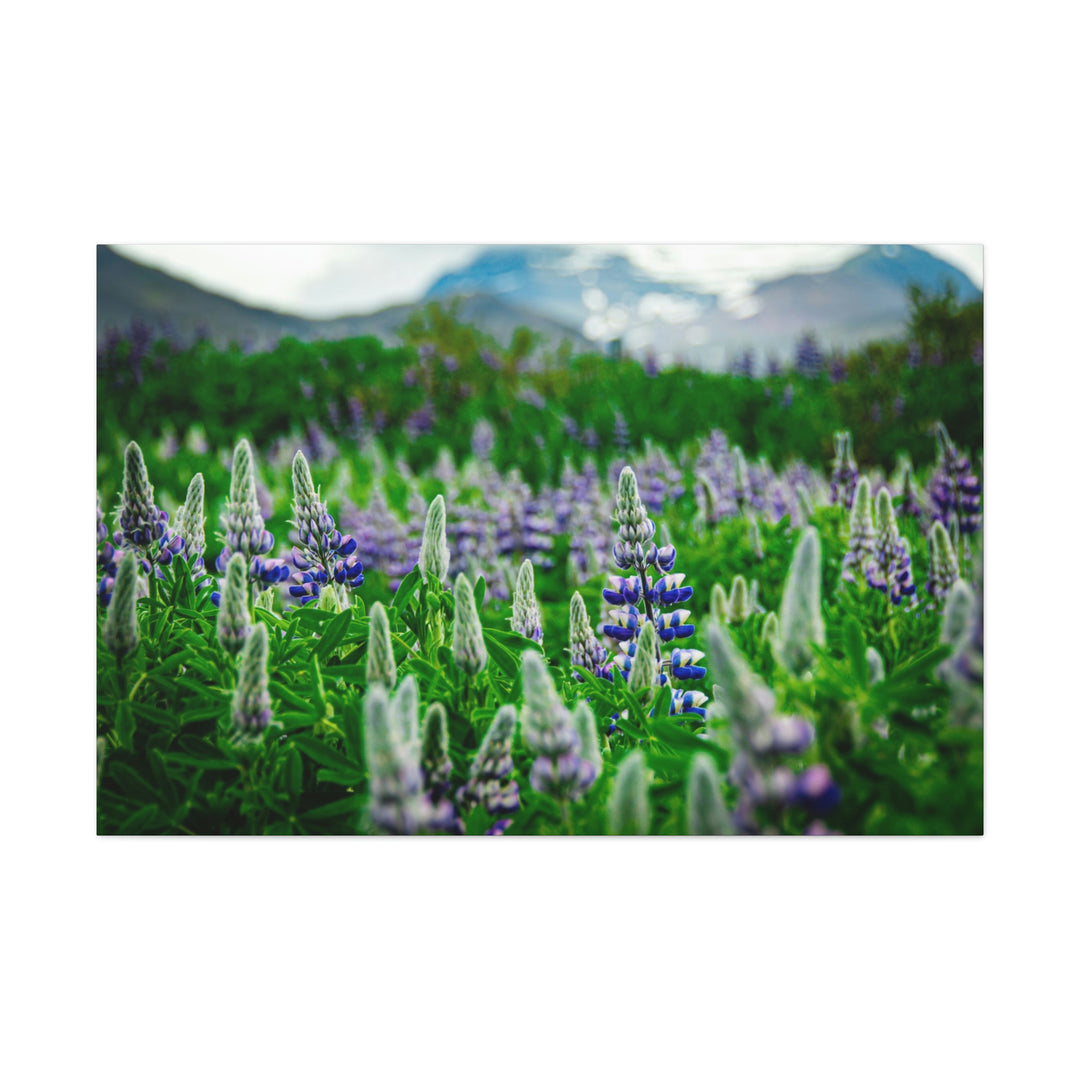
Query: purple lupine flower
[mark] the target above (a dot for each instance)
(955, 492)
(324, 556)
(621, 434)
(560, 769)
(837, 369)
(762, 741)
(845, 474)
(585, 650)
(245, 531)
(808, 356)
(861, 534)
(889, 568)
(490, 782)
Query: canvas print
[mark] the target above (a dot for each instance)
(582, 540)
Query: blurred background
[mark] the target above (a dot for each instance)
(717, 307)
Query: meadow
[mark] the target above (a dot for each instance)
(456, 589)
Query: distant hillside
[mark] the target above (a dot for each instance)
(580, 294)
(127, 291)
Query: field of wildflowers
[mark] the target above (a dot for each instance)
(456, 590)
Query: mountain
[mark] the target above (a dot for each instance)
(608, 297)
(128, 290)
(581, 294)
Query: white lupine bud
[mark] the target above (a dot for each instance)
(525, 611)
(469, 650)
(434, 558)
(739, 601)
(191, 519)
(251, 710)
(959, 616)
(645, 668)
(590, 743)
(121, 631)
(381, 667)
(234, 614)
(801, 622)
(706, 812)
(628, 809)
(875, 666)
(405, 709)
(770, 628)
(718, 603)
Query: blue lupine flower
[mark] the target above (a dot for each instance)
(324, 557)
(642, 598)
(944, 567)
(245, 531)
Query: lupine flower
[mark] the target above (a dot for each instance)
(245, 531)
(845, 473)
(718, 603)
(191, 522)
(762, 739)
(635, 550)
(944, 567)
(808, 356)
(483, 440)
(559, 769)
(955, 491)
(121, 632)
(490, 782)
(585, 650)
(962, 628)
(435, 763)
(754, 538)
(142, 524)
(525, 613)
(397, 803)
(770, 629)
(324, 556)
(381, 667)
(405, 711)
(470, 652)
(802, 625)
(957, 620)
(741, 478)
(889, 570)
(234, 614)
(862, 534)
(739, 601)
(586, 727)
(706, 812)
(628, 809)
(251, 710)
(644, 671)
(434, 561)
(875, 666)
(621, 434)
(910, 505)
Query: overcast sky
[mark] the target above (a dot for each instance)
(327, 280)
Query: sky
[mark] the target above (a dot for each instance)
(328, 280)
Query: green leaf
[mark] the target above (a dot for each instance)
(409, 584)
(125, 724)
(855, 650)
(479, 591)
(322, 754)
(333, 634)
